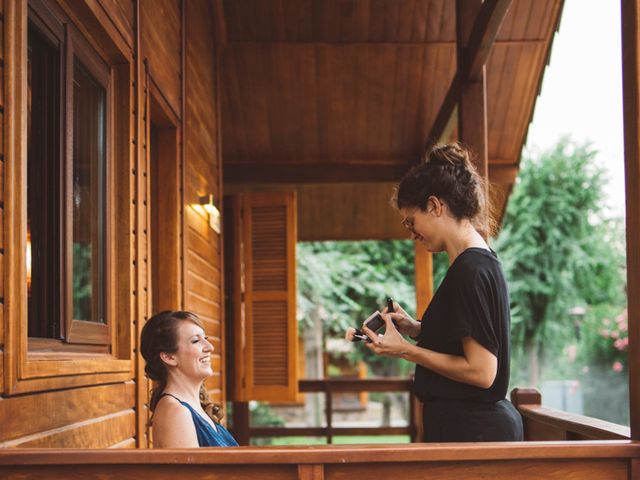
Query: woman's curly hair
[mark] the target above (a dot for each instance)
(447, 172)
(160, 334)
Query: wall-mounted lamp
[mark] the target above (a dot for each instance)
(212, 212)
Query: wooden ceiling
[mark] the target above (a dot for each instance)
(347, 91)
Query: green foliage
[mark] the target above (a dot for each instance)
(347, 281)
(557, 247)
(82, 281)
(262, 415)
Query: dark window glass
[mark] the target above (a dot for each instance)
(88, 195)
(43, 185)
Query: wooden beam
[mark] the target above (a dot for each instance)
(472, 100)
(374, 44)
(502, 174)
(480, 40)
(483, 36)
(447, 116)
(220, 24)
(267, 171)
(631, 113)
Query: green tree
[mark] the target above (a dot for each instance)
(557, 248)
(343, 282)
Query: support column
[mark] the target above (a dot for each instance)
(424, 278)
(472, 105)
(631, 109)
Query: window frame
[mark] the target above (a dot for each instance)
(36, 364)
(74, 47)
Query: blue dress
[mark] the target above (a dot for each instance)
(207, 436)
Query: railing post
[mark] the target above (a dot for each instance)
(328, 402)
(415, 419)
(241, 423)
(311, 472)
(525, 396)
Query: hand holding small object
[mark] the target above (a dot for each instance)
(391, 343)
(405, 324)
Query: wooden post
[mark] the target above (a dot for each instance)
(472, 105)
(525, 396)
(310, 472)
(631, 109)
(424, 294)
(424, 278)
(241, 423)
(328, 405)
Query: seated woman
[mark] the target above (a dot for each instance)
(178, 358)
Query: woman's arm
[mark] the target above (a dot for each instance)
(173, 426)
(477, 367)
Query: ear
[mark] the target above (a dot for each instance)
(436, 205)
(169, 359)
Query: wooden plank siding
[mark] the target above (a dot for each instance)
(104, 410)
(2, 103)
(202, 257)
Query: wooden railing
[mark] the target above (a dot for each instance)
(543, 423)
(328, 387)
(607, 460)
(540, 423)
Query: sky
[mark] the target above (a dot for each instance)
(581, 92)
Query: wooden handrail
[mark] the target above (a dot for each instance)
(340, 385)
(576, 425)
(327, 454)
(390, 384)
(544, 423)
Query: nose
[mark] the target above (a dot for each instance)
(208, 346)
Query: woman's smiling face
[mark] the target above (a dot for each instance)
(193, 357)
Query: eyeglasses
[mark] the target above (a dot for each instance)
(409, 221)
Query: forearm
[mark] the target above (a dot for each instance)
(454, 367)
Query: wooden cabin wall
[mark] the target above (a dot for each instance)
(202, 245)
(109, 410)
(1, 197)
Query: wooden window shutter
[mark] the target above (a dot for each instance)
(268, 327)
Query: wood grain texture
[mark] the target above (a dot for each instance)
(269, 242)
(306, 84)
(160, 34)
(369, 203)
(372, 455)
(202, 261)
(121, 12)
(631, 112)
(100, 432)
(27, 415)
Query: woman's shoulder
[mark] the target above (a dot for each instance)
(174, 419)
(170, 412)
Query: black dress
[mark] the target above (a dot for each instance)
(472, 301)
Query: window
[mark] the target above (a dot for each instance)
(67, 184)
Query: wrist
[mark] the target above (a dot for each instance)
(416, 328)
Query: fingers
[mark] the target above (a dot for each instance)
(388, 320)
(369, 333)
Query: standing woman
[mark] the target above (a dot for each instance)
(463, 345)
(178, 358)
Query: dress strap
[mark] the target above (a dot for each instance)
(171, 395)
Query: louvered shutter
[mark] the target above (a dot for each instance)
(268, 327)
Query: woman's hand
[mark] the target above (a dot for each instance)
(405, 324)
(391, 344)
